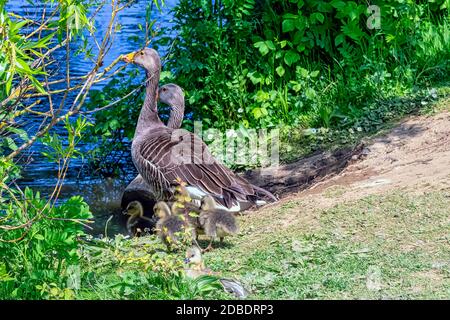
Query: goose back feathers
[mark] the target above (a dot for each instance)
(162, 155)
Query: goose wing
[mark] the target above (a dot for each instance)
(165, 155)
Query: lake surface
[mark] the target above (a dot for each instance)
(103, 195)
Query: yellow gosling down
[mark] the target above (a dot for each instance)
(168, 226)
(216, 222)
(135, 210)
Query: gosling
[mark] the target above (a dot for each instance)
(216, 222)
(169, 225)
(195, 268)
(135, 210)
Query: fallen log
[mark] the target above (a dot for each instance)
(301, 174)
(138, 190)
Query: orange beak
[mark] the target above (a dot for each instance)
(128, 58)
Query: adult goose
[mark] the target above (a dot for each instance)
(138, 189)
(163, 155)
(172, 95)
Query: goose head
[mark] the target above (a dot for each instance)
(161, 210)
(146, 58)
(208, 203)
(171, 94)
(134, 209)
(193, 256)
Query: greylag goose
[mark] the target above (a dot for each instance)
(195, 267)
(159, 153)
(173, 96)
(216, 222)
(138, 189)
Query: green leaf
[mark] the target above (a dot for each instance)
(257, 113)
(310, 93)
(291, 57)
(314, 74)
(37, 85)
(270, 45)
(288, 25)
(262, 47)
(317, 16)
(10, 143)
(338, 4)
(339, 39)
(280, 71)
(39, 237)
(284, 43)
(20, 132)
(303, 72)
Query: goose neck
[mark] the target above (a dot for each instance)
(176, 116)
(148, 117)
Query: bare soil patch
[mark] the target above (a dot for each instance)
(413, 155)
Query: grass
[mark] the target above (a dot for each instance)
(138, 269)
(379, 117)
(388, 246)
(393, 246)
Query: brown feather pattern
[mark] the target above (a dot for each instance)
(164, 155)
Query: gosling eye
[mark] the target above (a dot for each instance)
(141, 53)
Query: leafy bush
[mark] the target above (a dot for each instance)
(296, 64)
(304, 62)
(38, 257)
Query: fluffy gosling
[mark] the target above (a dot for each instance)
(137, 223)
(195, 268)
(216, 222)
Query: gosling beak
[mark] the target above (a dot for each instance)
(128, 58)
(186, 260)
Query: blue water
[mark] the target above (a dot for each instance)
(103, 195)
